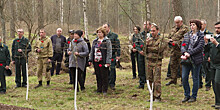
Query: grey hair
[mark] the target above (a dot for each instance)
(204, 21)
(178, 18)
(59, 29)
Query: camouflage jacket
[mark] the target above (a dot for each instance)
(46, 47)
(177, 36)
(155, 48)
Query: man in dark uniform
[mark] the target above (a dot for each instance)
(147, 27)
(20, 49)
(205, 69)
(4, 64)
(58, 42)
(116, 52)
(139, 45)
(71, 33)
(214, 58)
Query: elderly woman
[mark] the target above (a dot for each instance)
(78, 51)
(192, 57)
(100, 56)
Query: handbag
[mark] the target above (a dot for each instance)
(185, 62)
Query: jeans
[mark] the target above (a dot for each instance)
(185, 77)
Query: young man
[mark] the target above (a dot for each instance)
(44, 50)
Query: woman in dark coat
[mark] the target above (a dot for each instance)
(192, 49)
(100, 56)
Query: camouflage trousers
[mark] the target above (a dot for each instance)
(175, 65)
(41, 68)
(154, 76)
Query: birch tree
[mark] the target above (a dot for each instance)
(85, 19)
(100, 12)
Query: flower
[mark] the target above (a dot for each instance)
(100, 65)
(141, 46)
(173, 44)
(134, 45)
(203, 54)
(184, 44)
(68, 42)
(112, 59)
(42, 41)
(1, 64)
(18, 40)
(75, 41)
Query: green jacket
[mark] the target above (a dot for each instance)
(23, 44)
(139, 44)
(4, 55)
(214, 53)
(206, 48)
(115, 44)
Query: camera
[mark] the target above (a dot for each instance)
(208, 36)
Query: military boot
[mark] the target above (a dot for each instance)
(48, 83)
(39, 85)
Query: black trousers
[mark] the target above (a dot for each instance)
(133, 62)
(79, 78)
(20, 66)
(2, 79)
(101, 76)
(57, 57)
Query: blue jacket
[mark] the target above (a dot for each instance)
(197, 52)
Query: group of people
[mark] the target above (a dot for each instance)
(103, 54)
(193, 49)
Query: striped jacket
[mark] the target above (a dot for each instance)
(197, 52)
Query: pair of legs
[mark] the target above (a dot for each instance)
(57, 57)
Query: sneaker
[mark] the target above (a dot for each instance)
(185, 99)
(192, 100)
(139, 87)
(212, 105)
(169, 83)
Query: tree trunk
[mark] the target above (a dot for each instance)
(61, 12)
(12, 20)
(130, 22)
(85, 19)
(218, 17)
(100, 12)
(178, 9)
(2, 17)
(147, 9)
(40, 14)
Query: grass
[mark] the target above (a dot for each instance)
(60, 95)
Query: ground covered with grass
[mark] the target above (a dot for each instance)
(60, 94)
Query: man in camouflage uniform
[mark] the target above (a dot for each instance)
(205, 70)
(44, 50)
(175, 39)
(20, 49)
(116, 52)
(4, 64)
(154, 56)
